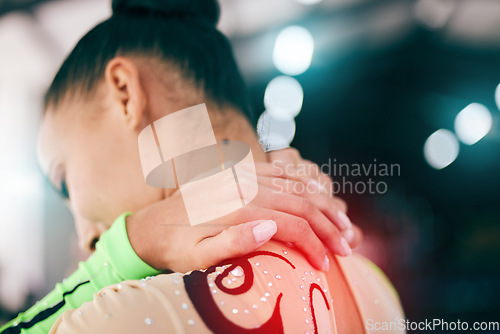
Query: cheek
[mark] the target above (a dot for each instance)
(127, 190)
(110, 182)
(86, 197)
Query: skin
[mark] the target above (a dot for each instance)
(89, 146)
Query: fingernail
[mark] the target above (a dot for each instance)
(264, 231)
(344, 220)
(315, 185)
(326, 264)
(349, 235)
(345, 247)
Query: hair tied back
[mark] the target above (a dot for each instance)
(206, 10)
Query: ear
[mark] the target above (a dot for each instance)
(123, 81)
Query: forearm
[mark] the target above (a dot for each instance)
(114, 261)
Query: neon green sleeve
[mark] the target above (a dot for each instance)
(113, 261)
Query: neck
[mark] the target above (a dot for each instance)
(230, 125)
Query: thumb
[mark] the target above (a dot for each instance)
(235, 241)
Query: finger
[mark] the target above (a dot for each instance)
(280, 175)
(287, 171)
(318, 182)
(286, 156)
(316, 173)
(323, 186)
(302, 207)
(354, 236)
(341, 204)
(289, 163)
(298, 231)
(291, 229)
(333, 208)
(235, 241)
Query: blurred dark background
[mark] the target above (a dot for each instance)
(383, 76)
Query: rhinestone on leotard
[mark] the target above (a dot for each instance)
(237, 272)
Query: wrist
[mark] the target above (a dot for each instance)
(121, 254)
(139, 241)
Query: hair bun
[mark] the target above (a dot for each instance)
(207, 10)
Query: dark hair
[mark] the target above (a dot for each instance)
(180, 32)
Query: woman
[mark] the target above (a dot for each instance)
(149, 60)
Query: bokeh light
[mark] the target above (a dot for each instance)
(275, 134)
(283, 98)
(434, 14)
(441, 149)
(308, 2)
(473, 123)
(497, 96)
(293, 50)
